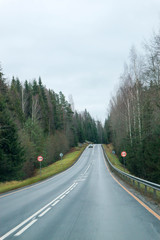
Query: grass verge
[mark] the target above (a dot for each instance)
(113, 158)
(68, 160)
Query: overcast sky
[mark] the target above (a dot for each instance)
(77, 46)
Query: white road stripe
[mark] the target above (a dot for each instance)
(55, 203)
(35, 214)
(42, 214)
(87, 169)
(25, 228)
(67, 192)
(62, 197)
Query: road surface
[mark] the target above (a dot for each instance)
(82, 203)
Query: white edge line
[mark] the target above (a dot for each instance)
(36, 213)
(42, 214)
(25, 228)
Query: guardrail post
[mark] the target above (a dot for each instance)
(154, 193)
(133, 182)
(145, 188)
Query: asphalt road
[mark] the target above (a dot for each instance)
(82, 203)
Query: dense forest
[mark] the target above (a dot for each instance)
(133, 122)
(36, 121)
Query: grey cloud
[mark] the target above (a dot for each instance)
(77, 47)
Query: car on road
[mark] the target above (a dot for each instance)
(90, 146)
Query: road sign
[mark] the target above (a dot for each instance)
(61, 155)
(123, 154)
(40, 158)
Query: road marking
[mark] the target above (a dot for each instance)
(35, 214)
(81, 179)
(86, 170)
(25, 188)
(67, 192)
(25, 228)
(55, 203)
(44, 181)
(137, 199)
(43, 213)
(62, 197)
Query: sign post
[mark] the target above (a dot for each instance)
(40, 159)
(123, 154)
(61, 155)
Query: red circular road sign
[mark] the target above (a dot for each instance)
(123, 154)
(40, 158)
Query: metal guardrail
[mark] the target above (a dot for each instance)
(154, 186)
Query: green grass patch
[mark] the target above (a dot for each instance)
(46, 172)
(113, 158)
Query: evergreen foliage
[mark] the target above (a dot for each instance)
(133, 124)
(11, 152)
(36, 121)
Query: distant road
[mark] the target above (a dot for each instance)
(82, 203)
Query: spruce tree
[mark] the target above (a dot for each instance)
(11, 153)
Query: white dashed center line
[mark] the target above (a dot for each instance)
(47, 207)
